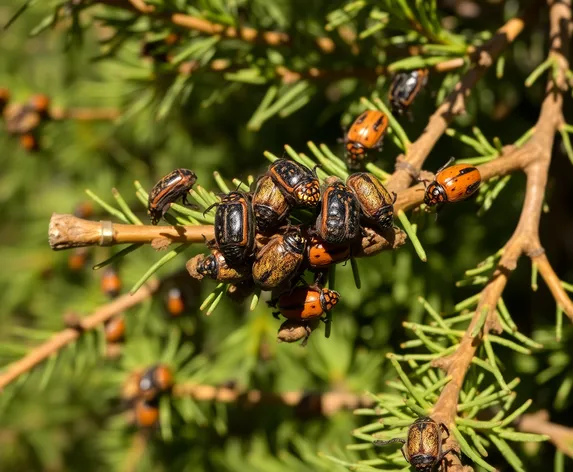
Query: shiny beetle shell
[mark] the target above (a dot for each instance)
(269, 204)
(168, 190)
(235, 227)
(155, 381)
(298, 183)
(423, 445)
(453, 184)
(375, 201)
(146, 413)
(175, 302)
(365, 134)
(321, 254)
(115, 329)
(279, 259)
(339, 219)
(304, 303)
(215, 267)
(111, 283)
(405, 87)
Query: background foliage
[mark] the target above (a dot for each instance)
(67, 415)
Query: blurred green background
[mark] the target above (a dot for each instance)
(68, 416)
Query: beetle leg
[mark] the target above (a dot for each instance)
(395, 197)
(208, 209)
(320, 276)
(379, 442)
(317, 166)
(308, 333)
(443, 454)
(445, 428)
(276, 314)
(450, 160)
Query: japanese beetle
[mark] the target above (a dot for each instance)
(365, 134)
(84, 210)
(215, 267)
(269, 204)
(168, 190)
(279, 259)
(321, 254)
(292, 331)
(235, 227)
(175, 302)
(115, 329)
(452, 184)
(298, 183)
(405, 87)
(146, 413)
(78, 258)
(375, 201)
(306, 302)
(423, 446)
(110, 282)
(338, 221)
(155, 381)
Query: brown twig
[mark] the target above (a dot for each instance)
(454, 104)
(289, 76)
(68, 231)
(69, 335)
(327, 403)
(534, 158)
(538, 423)
(85, 114)
(251, 35)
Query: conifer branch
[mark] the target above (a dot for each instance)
(248, 34)
(535, 158)
(409, 164)
(67, 336)
(327, 403)
(538, 423)
(68, 231)
(84, 114)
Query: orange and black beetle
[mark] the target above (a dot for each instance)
(298, 183)
(278, 261)
(235, 227)
(168, 190)
(339, 219)
(115, 329)
(306, 302)
(405, 87)
(423, 446)
(4, 98)
(269, 204)
(366, 133)
(155, 381)
(146, 413)
(321, 254)
(452, 184)
(175, 302)
(111, 283)
(375, 201)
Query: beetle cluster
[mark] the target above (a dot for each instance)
(142, 391)
(23, 120)
(287, 224)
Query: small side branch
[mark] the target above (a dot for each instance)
(69, 335)
(327, 403)
(538, 423)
